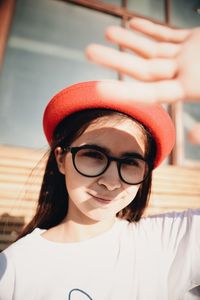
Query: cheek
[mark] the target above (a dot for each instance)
(74, 180)
(130, 193)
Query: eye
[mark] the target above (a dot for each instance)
(92, 154)
(132, 162)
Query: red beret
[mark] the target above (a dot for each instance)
(84, 95)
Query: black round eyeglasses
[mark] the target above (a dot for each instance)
(93, 160)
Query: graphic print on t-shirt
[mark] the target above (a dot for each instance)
(77, 294)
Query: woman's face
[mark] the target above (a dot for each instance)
(94, 199)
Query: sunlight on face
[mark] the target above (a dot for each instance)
(93, 199)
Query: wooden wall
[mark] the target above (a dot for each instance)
(174, 188)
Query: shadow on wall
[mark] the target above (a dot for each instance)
(10, 227)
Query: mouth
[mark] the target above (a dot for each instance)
(101, 200)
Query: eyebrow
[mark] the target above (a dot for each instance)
(105, 149)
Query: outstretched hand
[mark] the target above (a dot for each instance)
(166, 68)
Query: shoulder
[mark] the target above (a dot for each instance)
(171, 228)
(171, 218)
(22, 246)
(166, 225)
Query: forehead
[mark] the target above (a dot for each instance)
(118, 134)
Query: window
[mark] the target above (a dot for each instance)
(45, 53)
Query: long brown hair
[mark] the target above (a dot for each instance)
(53, 198)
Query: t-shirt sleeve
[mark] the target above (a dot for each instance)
(195, 253)
(182, 241)
(194, 293)
(7, 278)
(195, 256)
(176, 238)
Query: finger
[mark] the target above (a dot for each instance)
(141, 69)
(141, 45)
(159, 92)
(194, 135)
(159, 32)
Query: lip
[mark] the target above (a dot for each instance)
(101, 199)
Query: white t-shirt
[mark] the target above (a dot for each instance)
(155, 259)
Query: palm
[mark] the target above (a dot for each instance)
(162, 68)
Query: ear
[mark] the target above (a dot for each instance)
(60, 159)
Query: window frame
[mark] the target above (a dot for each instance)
(7, 8)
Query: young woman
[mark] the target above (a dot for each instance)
(88, 239)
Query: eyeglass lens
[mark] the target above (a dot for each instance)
(91, 162)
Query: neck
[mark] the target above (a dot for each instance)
(70, 231)
(73, 231)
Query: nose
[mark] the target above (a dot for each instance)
(110, 178)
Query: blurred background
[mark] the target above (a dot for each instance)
(42, 46)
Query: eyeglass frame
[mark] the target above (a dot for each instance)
(119, 161)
